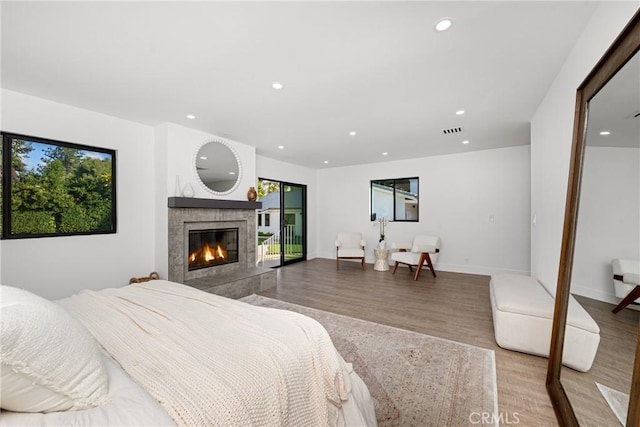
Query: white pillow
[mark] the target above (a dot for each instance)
(50, 362)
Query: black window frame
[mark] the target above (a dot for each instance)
(394, 180)
(6, 190)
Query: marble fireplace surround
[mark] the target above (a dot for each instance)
(202, 214)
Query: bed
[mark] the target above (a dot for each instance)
(162, 353)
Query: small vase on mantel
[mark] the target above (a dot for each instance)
(187, 191)
(177, 191)
(252, 194)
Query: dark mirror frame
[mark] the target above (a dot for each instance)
(626, 45)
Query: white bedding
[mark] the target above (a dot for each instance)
(129, 405)
(260, 366)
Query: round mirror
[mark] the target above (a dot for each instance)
(217, 167)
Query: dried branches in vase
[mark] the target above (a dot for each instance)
(382, 222)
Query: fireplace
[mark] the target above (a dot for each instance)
(230, 224)
(213, 247)
(190, 216)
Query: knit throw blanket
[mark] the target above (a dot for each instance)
(214, 361)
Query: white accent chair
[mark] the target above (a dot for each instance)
(424, 249)
(626, 282)
(350, 246)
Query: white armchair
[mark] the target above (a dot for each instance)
(424, 249)
(350, 246)
(626, 282)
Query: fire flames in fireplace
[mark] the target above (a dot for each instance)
(206, 254)
(209, 248)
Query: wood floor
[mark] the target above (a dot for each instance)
(612, 366)
(456, 306)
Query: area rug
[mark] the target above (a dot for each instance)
(617, 400)
(414, 379)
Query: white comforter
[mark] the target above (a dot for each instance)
(213, 361)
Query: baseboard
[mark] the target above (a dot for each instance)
(456, 268)
(478, 269)
(595, 294)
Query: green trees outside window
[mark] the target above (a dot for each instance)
(52, 188)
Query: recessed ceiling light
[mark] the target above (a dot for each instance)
(277, 85)
(444, 24)
(232, 173)
(326, 161)
(459, 112)
(465, 141)
(203, 157)
(281, 147)
(190, 116)
(605, 133)
(385, 153)
(353, 133)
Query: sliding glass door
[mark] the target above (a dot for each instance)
(282, 223)
(293, 223)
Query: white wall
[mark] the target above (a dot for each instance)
(182, 146)
(551, 134)
(56, 267)
(280, 171)
(459, 194)
(148, 162)
(175, 162)
(608, 219)
(161, 222)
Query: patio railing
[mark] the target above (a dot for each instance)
(269, 250)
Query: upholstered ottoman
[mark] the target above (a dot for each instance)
(523, 317)
(626, 281)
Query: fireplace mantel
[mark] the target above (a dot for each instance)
(191, 202)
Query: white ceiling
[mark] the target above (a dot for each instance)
(616, 109)
(377, 68)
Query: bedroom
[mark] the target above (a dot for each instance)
(514, 184)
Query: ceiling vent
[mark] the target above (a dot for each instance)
(451, 131)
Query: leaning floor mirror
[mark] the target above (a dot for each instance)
(602, 224)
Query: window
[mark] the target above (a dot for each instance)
(259, 220)
(395, 199)
(290, 219)
(267, 220)
(53, 188)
